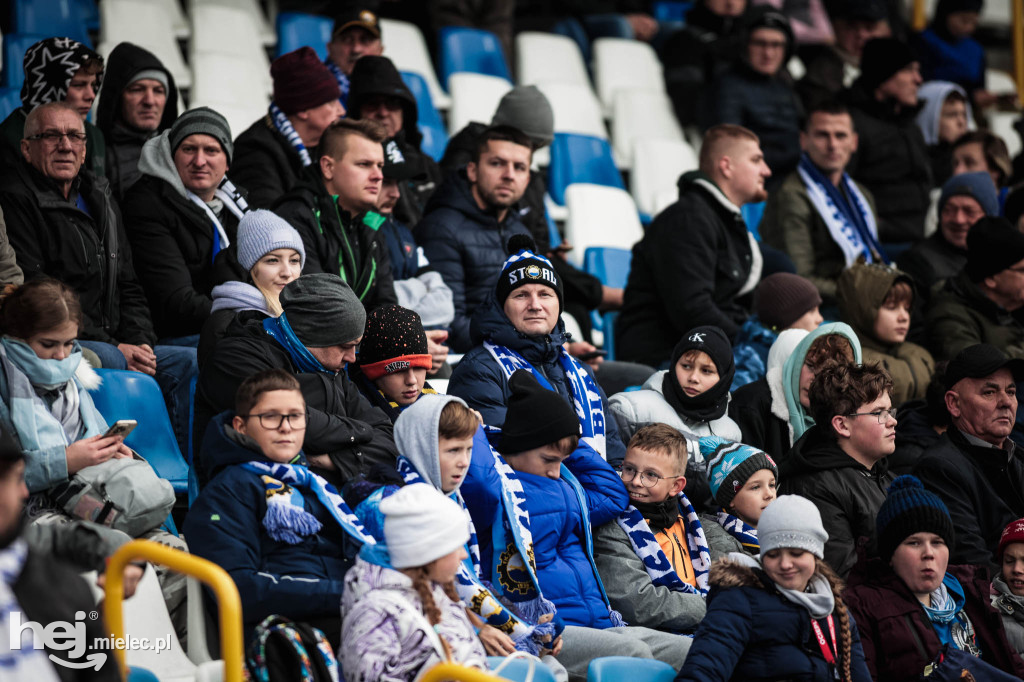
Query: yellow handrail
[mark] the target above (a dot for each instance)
(228, 602)
(1017, 25)
(454, 671)
(920, 16)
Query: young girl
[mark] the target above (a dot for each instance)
(1008, 587)
(779, 617)
(743, 482)
(271, 254)
(400, 613)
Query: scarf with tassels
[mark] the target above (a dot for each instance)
(285, 127)
(286, 519)
(657, 565)
(741, 530)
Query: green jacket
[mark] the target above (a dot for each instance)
(961, 315)
(13, 129)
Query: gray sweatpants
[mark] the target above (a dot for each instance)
(580, 645)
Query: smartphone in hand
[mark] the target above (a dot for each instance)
(122, 427)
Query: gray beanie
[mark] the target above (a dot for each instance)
(525, 107)
(323, 310)
(977, 185)
(791, 521)
(262, 231)
(202, 121)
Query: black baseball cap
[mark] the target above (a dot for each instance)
(979, 361)
(363, 18)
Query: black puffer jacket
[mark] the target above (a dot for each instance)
(467, 245)
(339, 243)
(52, 236)
(265, 163)
(124, 144)
(847, 495)
(687, 271)
(891, 161)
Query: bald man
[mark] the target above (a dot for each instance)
(697, 263)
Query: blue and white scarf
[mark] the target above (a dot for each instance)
(286, 519)
(849, 218)
(285, 127)
(25, 662)
(586, 396)
(339, 75)
(279, 329)
(476, 594)
(657, 565)
(741, 530)
(233, 201)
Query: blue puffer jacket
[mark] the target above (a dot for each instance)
(225, 525)
(752, 633)
(566, 575)
(467, 246)
(481, 382)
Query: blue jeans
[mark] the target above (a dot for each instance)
(175, 367)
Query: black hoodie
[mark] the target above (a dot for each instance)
(124, 144)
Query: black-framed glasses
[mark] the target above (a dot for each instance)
(881, 415)
(273, 420)
(54, 137)
(648, 479)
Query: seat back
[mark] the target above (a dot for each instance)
(475, 97)
(575, 108)
(10, 99)
(641, 114)
(15, 46)
(670, 10)
(471, 49)
(295, 30)
(145, 615)
(549, 57)
(147, 25)
(580, 158)
(435, 135)
(52, 18)
(608, 264)
(600, 216)
(614, 668)
(229, 30)
(405, 47)
(232, 85)
(620, 63)
(657, 165)
(519, 669)
(134, 395)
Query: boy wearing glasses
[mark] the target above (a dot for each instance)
(653, 473)
(283, 533)
(840, 462)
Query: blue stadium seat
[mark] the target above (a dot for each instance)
(10, 99)
(193, 478)
(471, 49)
(518, 669)
(295, 30)
(580, 158)
(51, 18)
(611, 266)
(90, 14)
(664, 10)
(435, 134)
(752, 214)
(15, 46)
(141, 675)
(134, 395)
(615, 668)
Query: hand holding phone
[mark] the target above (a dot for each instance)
(122, 427)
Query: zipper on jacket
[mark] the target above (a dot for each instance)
(677, 544)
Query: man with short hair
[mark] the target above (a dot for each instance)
(819, 216)
(334, 210)
(892, 158)
(183, 211)
(975, 468)
(356, 34)
(314, 338)
(979, 304)
(697, 263)
(271, 154)
(839, 463)
(140, 102)
(468, 223)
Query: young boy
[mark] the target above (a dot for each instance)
(839, 463)
(258, 517)
(876, 300)
(1008, 586)
(565, 488)
(654, 475)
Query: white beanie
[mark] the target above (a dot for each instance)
(262, 231)
(791, 522)
(422, 524)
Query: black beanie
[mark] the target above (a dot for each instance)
(881, 59)
(712, 403)
(535, 416)
(394, 341)
(993, 245)
(783, 298)
(525, 266)
(909, 508)
(322, 310)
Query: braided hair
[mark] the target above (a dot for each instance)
(845, 634)
(422, 584)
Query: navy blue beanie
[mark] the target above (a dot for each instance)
(909, 509)
(977, 185)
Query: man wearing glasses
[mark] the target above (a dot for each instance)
(839, 463)
(979, 304)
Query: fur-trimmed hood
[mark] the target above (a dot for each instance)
(735, 570)
(87, 377)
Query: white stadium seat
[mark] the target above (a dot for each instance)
(637, 114)
(657, 165)
(220, 29)
(549, 57)
(600, 216)
(475, 97)
(620, 63)
(144, 23)
(576, 109)
(404, 45)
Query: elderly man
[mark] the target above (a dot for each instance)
(271, 153)
(356, 34)
(139, 103)
(697, 263)
(520, 327)
(59, 217)
(979, 304)
(819, 216)
(976, 469)
(183, 212)
(334, 210)
(316, 335)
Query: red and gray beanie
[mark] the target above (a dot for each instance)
(394, 341)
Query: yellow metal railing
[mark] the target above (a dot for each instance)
(460, 673)
(216, 578)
